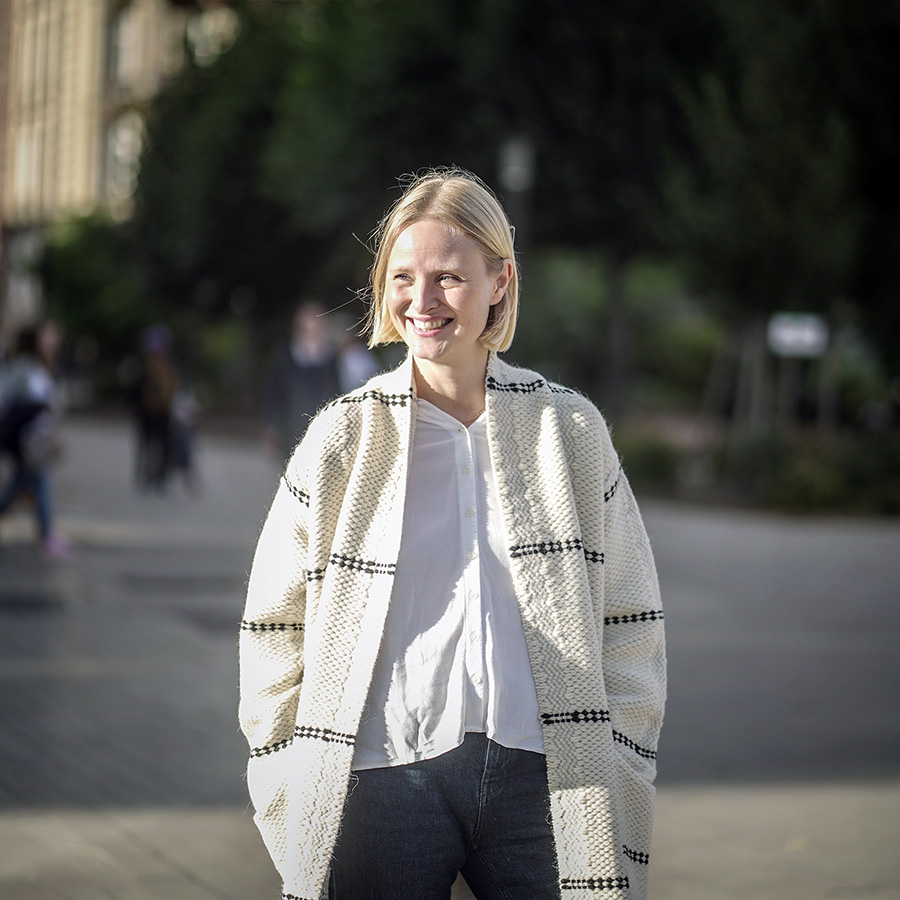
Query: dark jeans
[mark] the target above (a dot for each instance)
(153, 452)
(37, 481)
(481, 809)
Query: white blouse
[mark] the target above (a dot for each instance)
(454, 657)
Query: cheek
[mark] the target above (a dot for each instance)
(394, 306)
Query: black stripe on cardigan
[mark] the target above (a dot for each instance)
(324, 734)
(593, 716)
(546, 547)
(610, 492)
(637, 748)
(576, 717)
(526, 387)
(515, 387)
(271, 626)
(641, 858)
(380, 396)
(595, 884)
(369, 566)
(652, 615)
(270, 748)
(302, 496)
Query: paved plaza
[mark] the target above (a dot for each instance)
(121, 762)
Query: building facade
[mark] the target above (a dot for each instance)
(76, 78)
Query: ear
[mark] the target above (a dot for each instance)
(501, 283)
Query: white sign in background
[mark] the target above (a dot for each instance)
(798, 335)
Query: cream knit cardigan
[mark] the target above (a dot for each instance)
(589, 600)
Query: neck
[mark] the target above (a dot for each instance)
(460, 393)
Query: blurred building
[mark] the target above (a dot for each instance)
(76, 78)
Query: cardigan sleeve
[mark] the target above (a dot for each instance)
(634, 663)
(625, 588)
(272, 629)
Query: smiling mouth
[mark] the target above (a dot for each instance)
(432, 326)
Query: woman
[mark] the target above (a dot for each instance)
(29, 413)
(452, 651)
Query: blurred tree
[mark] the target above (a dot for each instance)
(764, 209)
(261, 168)
(595, 87)
(787, 200)
(858, 58)
(385, 87)
(212, 242)
(91, 286)
(739, 137)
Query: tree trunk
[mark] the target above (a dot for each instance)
(616, 358)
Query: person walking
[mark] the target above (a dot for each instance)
(316, 365)
(29, 421)
(452, 652)
(152, 394)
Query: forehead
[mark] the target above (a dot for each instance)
(431, 239)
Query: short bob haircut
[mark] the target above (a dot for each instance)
(462, 201)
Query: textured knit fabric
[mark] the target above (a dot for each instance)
(453, 658)
(588, 595)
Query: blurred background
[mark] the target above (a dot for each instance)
(710, 247)
(701, 194)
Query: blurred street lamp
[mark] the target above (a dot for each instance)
(516, 171)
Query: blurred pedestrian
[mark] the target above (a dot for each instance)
(30, 410)
(182, 433)
(452, 655)
(152, 394)
(313, 367)
(356, 364)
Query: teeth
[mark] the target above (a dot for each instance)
(431, 325)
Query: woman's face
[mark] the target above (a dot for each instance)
(439, 293)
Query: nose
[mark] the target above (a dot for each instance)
(425, 297)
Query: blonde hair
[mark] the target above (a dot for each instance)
(463, 202)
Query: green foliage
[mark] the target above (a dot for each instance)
(799, 472)
(740, 138)
(564, 319)
(562, 308)
(862, 381)
(806, 482)
(261, 168)
(796, 473)
(204, 226)
(649, 459)
(91, 284)
(764, 208)
(858, 55)
(674, 338)
(781, 201)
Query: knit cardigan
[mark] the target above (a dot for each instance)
(585, 582)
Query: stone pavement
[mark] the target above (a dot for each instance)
(121, 764)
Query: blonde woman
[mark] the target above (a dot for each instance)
(452, 657)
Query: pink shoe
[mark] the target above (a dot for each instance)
(57, 547)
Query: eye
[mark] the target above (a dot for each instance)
(401, 278)
(449, 278)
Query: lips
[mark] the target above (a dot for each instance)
(426, 327)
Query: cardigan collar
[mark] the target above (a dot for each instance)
(402, 379)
